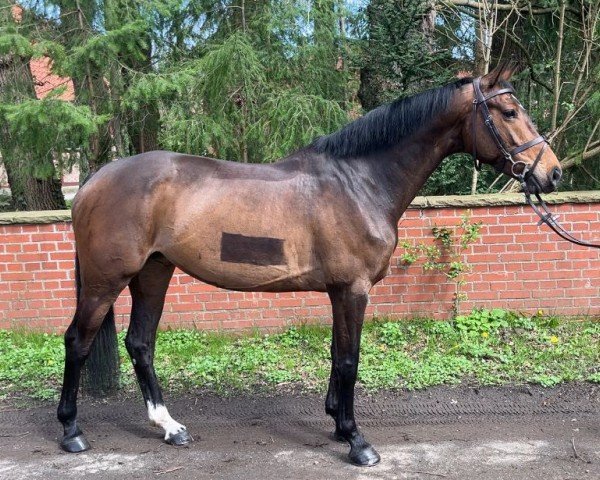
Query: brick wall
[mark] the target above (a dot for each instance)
(515, 265)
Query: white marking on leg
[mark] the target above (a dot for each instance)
(159, 416)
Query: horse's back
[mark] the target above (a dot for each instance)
(240, 226)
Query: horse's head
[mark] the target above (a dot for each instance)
(500, 133)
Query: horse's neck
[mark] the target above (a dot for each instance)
(399, 173)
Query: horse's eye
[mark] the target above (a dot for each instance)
(509, 113)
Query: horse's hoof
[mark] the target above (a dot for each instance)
(75, 444)
(365, 456)
(179, 438)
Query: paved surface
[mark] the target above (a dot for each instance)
(439, 433)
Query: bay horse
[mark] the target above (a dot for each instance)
(324, 218)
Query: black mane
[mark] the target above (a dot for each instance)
(386, 125)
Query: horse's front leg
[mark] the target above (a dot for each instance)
(349, 304)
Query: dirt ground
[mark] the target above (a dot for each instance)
(439, 433)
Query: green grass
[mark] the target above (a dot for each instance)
(484, 348)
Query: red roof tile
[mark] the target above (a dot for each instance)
(45, 80)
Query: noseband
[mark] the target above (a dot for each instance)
(480, 100)
(546, 216)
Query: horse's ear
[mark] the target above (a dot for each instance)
(502, 73)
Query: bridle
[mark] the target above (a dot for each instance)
(480, 101)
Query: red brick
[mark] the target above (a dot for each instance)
(286, 302)
(14, 276)
(223, 305)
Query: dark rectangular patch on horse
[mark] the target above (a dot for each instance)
(237, 248)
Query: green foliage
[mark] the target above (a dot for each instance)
(482, 321)
(251, 95)
(13, 43)
(230, 85)
(399, 56)
(49, 49)
(304, 117)
(153, 88)
(31, 364)
(48, 127)
(447, 255)
(99, 52)
(5, 202)
(231, 68)
(254, 81)
(486, 347)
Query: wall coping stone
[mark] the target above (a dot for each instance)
(447, 201)
(32, 218)
(501, 199)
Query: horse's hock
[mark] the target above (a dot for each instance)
(515, 265)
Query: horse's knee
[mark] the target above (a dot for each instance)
(347, 369)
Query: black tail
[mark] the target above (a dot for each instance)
(101, 370)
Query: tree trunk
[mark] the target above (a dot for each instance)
(428, 25)
(483, 46)
(142, 124)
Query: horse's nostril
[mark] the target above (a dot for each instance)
(556, 175)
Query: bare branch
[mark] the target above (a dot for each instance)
(525, 51)
(571, 115)
(582, 156)
(500, 6)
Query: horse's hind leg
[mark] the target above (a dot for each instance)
(88, 318)
(148, 291)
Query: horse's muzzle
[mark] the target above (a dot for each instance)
(547, 184)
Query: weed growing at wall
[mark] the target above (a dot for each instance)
(447, 254)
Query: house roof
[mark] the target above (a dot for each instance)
(41, 69)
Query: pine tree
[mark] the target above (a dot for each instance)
(256, 87)
(399, 56)
(32, 177)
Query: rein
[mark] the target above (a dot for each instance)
(551, 220)
(546, 216)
